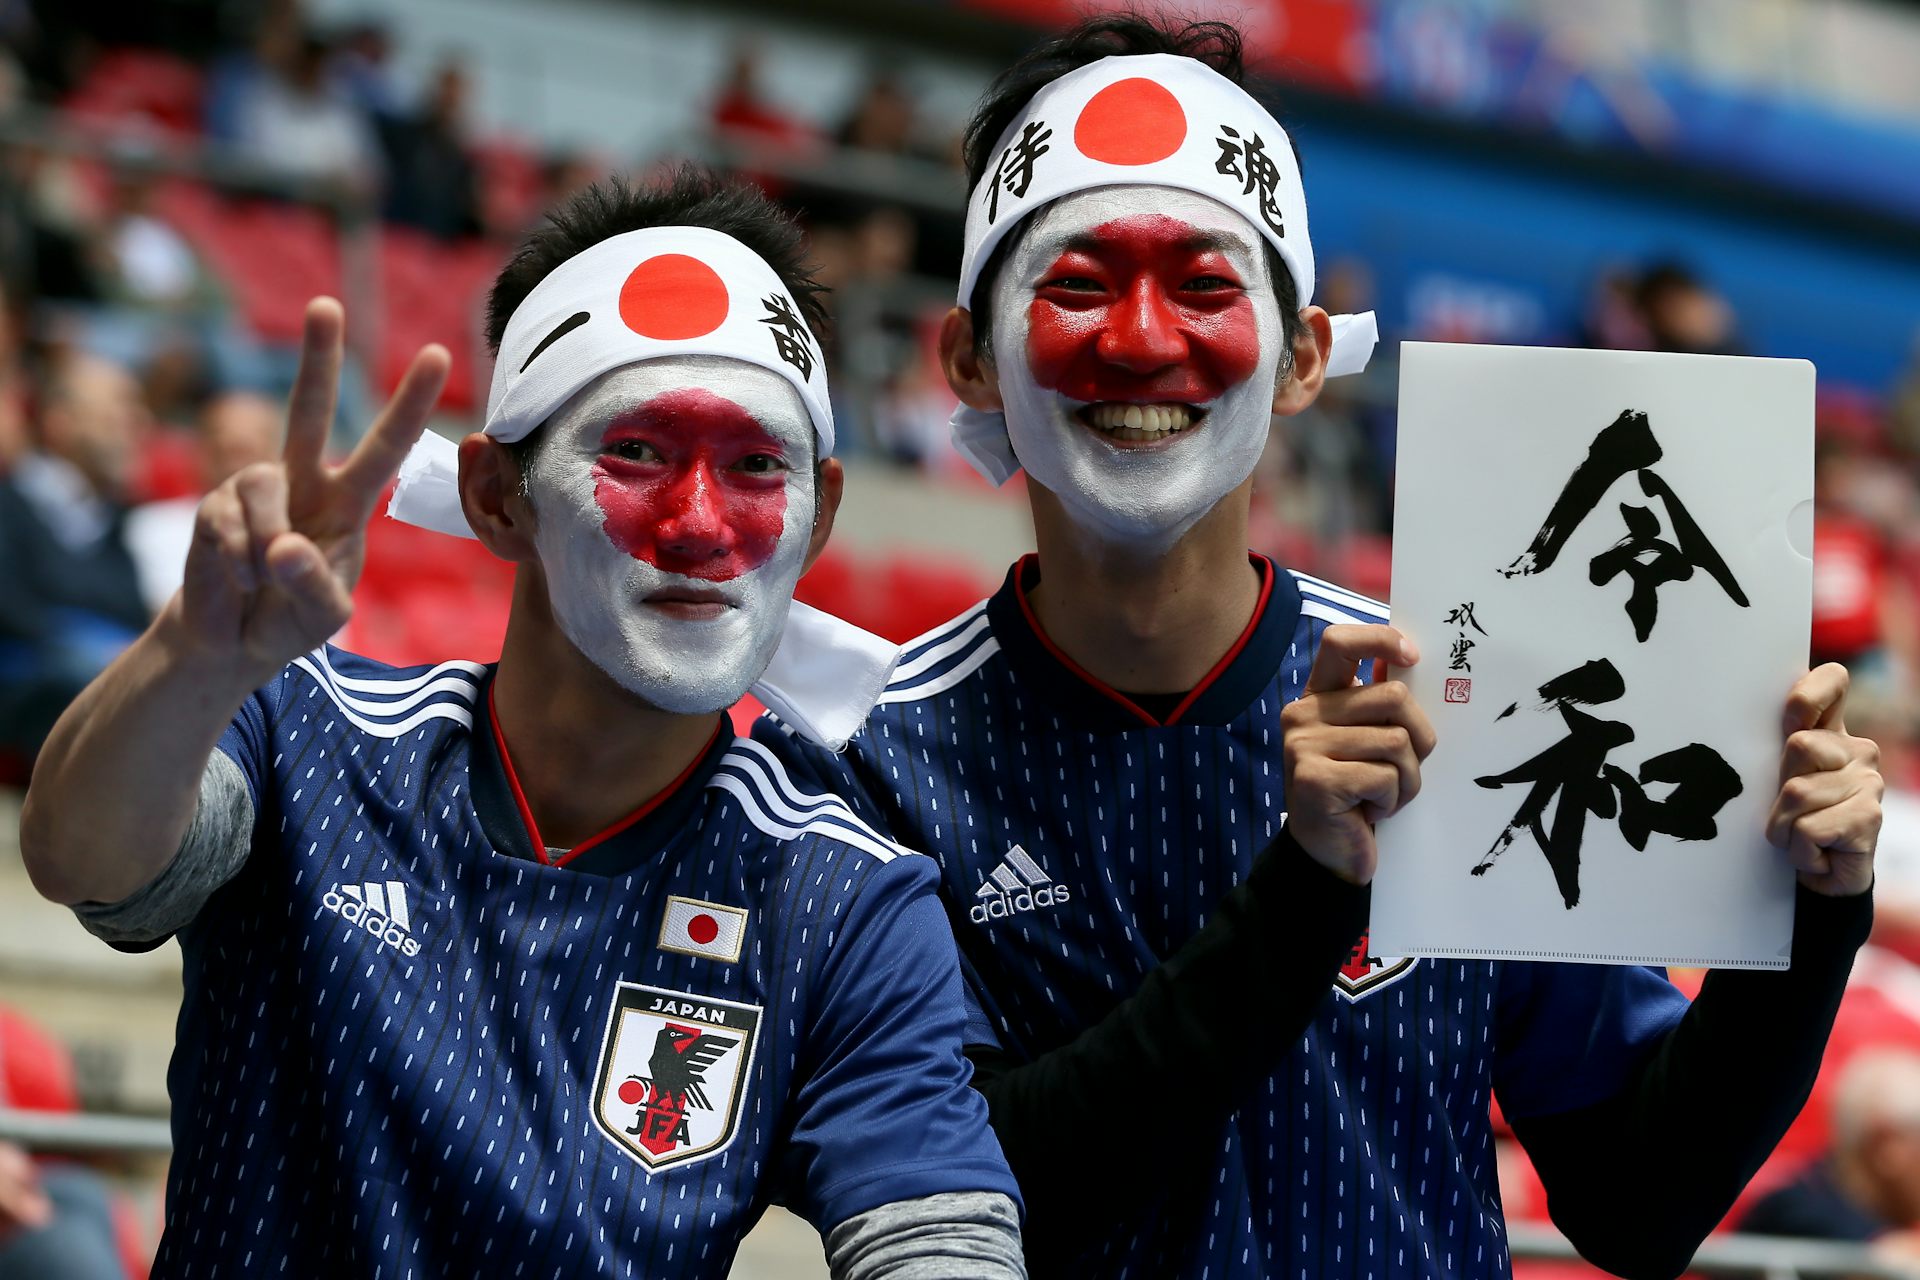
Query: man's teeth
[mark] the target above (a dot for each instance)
(1139, 421)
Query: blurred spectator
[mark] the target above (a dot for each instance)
(1613, 320)
(1863, 613)
(430, 171)
(233, 81)
(1682, 314)
(289, 116)
(44, 227)
(70, 598)
(56, 1219)
(1868, 1186)
(882, 119)
(237, 429)
(741, 106)
(141, 260)
(360, 68)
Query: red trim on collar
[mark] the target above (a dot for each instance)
(1220, 667)
(605, 833)
(1031, 561)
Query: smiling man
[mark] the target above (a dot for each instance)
(533, 967)
(1151, 776)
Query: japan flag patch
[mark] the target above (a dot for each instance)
(707, 929)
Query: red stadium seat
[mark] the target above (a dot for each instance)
(141, 86)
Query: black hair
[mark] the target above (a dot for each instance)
(685, 196)
(1216, 45)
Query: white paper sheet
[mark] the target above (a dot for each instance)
(1490, 440)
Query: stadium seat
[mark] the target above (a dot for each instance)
(140, 86)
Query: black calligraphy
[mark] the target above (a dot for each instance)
(790, 336)
(1643, 555)
(1573, 779)
(1461, 616)
(1014, 173)
(1246, 159)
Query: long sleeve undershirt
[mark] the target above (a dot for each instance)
(1636, 1181)
(1218, 1015)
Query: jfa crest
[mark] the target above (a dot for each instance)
(673, 1073)
(1365, 973)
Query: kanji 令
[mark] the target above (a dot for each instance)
(1643, 555)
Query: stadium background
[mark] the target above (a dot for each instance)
(177, 179)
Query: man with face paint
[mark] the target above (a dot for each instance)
(1150, 771)
(534, 967)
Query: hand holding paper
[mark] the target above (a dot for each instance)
(1352, 751)
(1827, 815)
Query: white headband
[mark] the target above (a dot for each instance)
(1154, 119)
(663, 291)
(644, 295)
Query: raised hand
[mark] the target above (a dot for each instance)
(277, 547)
(1827, 815)
(1351, 753)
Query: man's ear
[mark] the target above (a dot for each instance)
(491, 498)
(826, 505)
(973, 380)
(1310, 348)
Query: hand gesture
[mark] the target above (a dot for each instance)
(277, 547)
(1827, 815)
(1351, 752)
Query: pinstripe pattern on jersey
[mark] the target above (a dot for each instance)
(342, 1109)
(1363, 1156)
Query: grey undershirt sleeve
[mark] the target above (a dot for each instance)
(210, 854)
(957, 1235)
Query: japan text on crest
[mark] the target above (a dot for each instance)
(673, 1073)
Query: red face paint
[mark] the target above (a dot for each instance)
(1142, 310)
(685, 483)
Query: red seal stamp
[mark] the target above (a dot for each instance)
(1459, 689)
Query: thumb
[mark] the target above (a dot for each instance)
(298, 568)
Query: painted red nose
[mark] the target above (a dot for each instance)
(695, 529)
(1143, 333)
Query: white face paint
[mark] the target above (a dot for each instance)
(673, 502)
(1136, 388)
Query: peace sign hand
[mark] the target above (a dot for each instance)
(277, 547)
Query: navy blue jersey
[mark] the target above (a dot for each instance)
(1083, 840)
(415, 1043)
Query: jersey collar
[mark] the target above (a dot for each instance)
(625, 846)
(1240, 676)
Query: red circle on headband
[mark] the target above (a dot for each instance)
(1130, 122)
(672, 297)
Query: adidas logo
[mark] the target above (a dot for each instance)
(1017, 884)
(380, 909)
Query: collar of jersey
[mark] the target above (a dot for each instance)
(623, 847)
(1240, 676)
